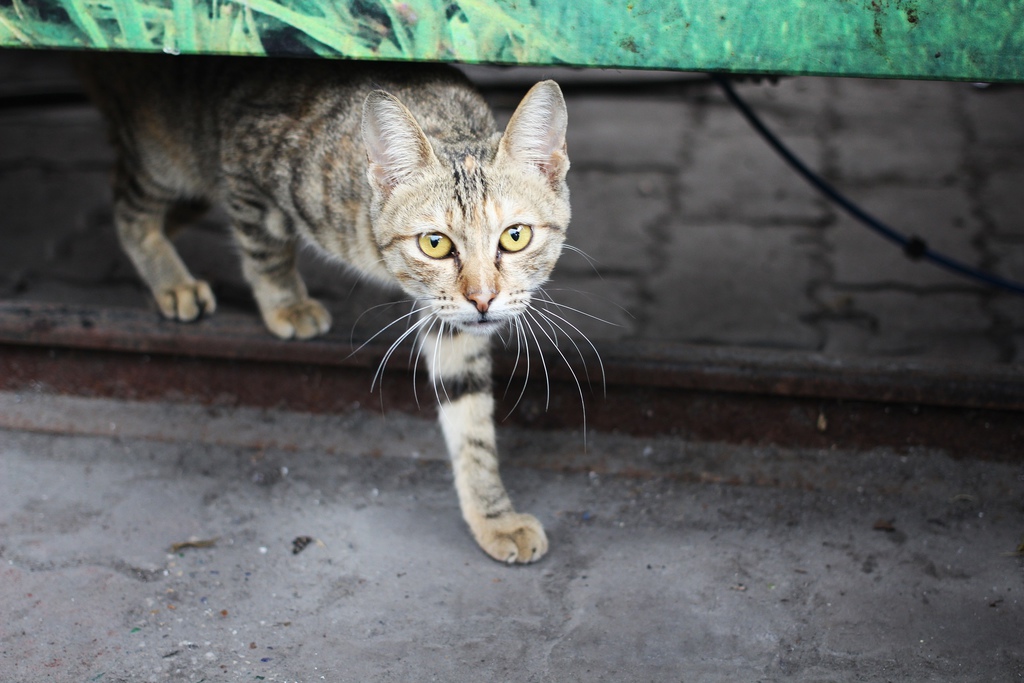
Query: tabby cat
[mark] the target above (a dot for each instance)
(396, 170)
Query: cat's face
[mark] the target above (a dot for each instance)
(471, 232)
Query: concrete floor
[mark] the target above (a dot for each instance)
(811, 566)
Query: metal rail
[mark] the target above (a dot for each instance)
(738, 396)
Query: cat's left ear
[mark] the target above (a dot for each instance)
(536, 133)
(396, 147)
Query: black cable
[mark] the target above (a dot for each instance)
(914, 247)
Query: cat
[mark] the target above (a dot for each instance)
(397, 170)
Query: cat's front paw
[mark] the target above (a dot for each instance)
(303, 320)
(512, 538)
(186, 301)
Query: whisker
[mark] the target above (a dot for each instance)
(371, 309)
(379, 374)
(386, 327)
(515, 366)
(415, 349)
(554, 335)
(436, 377)
(590, 261)
(520, 335)
(548, 315)
(501, 331)
(604, 387)
(579, 387)
(549, 300)
(544, 364)
(419, 350)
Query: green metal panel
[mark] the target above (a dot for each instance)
(947, 39)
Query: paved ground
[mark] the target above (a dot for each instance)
(782, 575)
(671, 560)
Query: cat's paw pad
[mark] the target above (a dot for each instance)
(186, 301)
(303, 320)
(513, 538)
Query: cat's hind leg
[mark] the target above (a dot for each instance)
(460, 368)
(268, 247)
(141, 205)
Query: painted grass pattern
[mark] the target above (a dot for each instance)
(956, 40)
(471, 30)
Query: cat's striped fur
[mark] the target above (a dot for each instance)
(365, 162)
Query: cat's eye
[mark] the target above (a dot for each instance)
(435, 245)
(516, 237)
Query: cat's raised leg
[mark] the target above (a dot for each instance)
(269, 265)
(460, 369)
(140, 212)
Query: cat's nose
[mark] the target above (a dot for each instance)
(482, 299)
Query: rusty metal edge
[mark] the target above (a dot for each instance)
(746, 419)
(234, 336)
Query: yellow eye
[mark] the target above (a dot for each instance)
(435, 245)
(516, 237)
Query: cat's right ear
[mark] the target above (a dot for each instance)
(396, 147)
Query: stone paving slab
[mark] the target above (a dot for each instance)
(858, 256)
(728, 177)
(769, 300)
(671, 190)
(878, 322)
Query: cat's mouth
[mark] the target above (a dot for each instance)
(483, 325)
